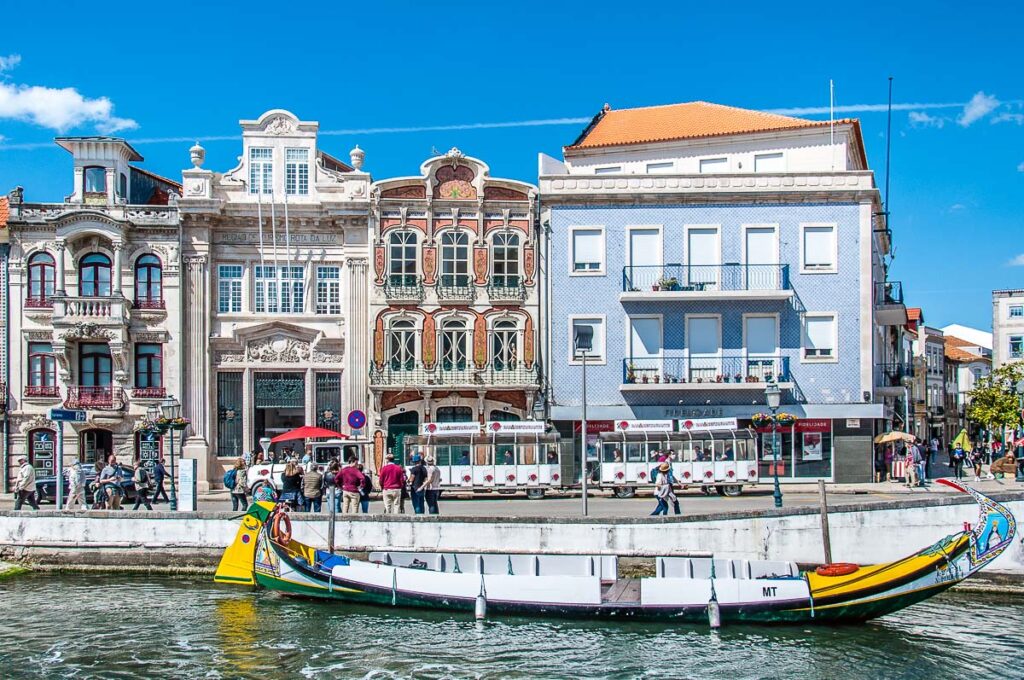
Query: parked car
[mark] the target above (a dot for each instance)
(46, 487)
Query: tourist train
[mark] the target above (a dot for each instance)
(691, 589)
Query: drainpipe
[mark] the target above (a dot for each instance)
(5, 251)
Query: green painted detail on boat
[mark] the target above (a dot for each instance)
(232, 579)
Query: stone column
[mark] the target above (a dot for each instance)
(248, 411)
(111, 186)
(356, 338)
(79, 194)
(195, 391)
(115, 276)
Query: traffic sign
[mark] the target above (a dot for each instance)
(356, 419)
(63, 414)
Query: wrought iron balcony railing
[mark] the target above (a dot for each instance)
(42, 391)
(456, 287)
(705, 278)
(889, 293)
(149, 392)
(892, 374)
(97, 397)
(39, 302)
(447, 373)
(403, 287)
(725, 369)
(149, 303)
(506, 288)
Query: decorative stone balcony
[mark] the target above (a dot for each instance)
(399, 374)
(104, 311)
(95, 397)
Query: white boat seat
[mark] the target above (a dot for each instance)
(768, 568)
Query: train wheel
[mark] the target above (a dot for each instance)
(731, 490)
(535, 494)
(625, 492)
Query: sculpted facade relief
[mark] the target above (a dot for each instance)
(280, 349)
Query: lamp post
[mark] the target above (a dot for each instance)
(583, 342)
(171, 410)
(772, 398)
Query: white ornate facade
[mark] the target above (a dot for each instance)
(93, 300)
(276, 288)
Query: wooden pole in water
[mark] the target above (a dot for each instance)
(330, 526)
(824, 522)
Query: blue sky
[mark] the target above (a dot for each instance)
(192, 70)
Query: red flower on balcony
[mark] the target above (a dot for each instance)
(101, 397)
(149, 392)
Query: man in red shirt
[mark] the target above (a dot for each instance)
(392, 479)
(349, 478)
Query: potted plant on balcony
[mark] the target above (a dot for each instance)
(644, 378)
(718, 378)
(738, 377)
(668, 283)
(630, 374)
(657, 377)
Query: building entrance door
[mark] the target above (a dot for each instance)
(280, 405)
(400, 426)
(95, 447)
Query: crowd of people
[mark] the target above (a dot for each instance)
(915, 462)
(107, 485)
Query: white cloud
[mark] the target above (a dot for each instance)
(981, 105)
(1007, 117)
(922, 119)
(1017, 261)
(1020, 168)
(59, 108)
(957, 207)
(9, 62)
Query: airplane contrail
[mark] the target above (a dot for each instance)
(864, 108)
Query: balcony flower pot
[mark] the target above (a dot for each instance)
(768, 377)
(657, 378)
(655, 287)
(718, 378)
(644, 378)
(738, 378)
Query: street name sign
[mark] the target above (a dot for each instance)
(68, 415)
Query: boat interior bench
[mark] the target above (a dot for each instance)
(605, 566)
(700, 568)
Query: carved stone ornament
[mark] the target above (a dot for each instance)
(36, 421)
(87, 330)
(277, 349)
(195, 187)
(279, 125)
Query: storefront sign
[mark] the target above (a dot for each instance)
(449, 429)
(853, 423)
(296, 239)
(149, 449)
(811, 445)
(813, 425)
(515, 427)
(643, 426)
(595, 426)
(707, 424)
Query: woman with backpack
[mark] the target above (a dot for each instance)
(143, 485)
(235, 481)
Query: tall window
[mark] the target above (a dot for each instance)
(596, 326)
(588, 250)
(149, 283)
(454, 345)
(455, 259)
(328, 290)
(296, 171)
(95, 180)
(42, 370)
(122, 186)
(819, 248)
(94, 276)
(402, 258)
(280, 289)
(229, 288)
(41, 277)
(1016, 346)
(505, 346)
(261, 170)
(95, 368)
(506, 260)
(819, 336)
(149, 366)
(402, 346)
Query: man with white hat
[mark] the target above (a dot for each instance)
(25, 485)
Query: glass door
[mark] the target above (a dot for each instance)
(704, 348)
(762, 266)
(645, 348)
(761, 334)
(704, 258)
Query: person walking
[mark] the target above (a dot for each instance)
(236, 481)
(110, 481)
(433, 490)
(977, 457)
(76, 486)
(159, 473)
(392, 481)
(662, 489)
(350, 479)
(331, 488)
(143, 482)
(365, 489)
(313, 488)
(25, 485)
(958, 462)
(417, 483)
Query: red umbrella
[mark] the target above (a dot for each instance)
(308, 432)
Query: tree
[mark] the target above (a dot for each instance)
(993, 402)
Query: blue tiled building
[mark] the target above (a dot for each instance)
(712, 251)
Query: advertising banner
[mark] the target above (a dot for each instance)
(643, 426)
(515, 427)
(450, 429)
(707, 424)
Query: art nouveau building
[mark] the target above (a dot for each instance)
(93, 306)
(276, 291)
(455, 297)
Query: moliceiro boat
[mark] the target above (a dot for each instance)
(683, 589)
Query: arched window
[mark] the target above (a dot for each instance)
(149, 283)
(505, 346)
(402, 258)
(42, 371)
(94, 276)
(506, 260)
(454, 414)
(41, 278)
(454, 345)
(402, 346)
(455, 259)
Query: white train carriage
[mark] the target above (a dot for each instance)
(725, 460)
(505, 459)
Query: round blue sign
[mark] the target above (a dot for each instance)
(356, 419)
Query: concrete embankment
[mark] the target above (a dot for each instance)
(146, 541)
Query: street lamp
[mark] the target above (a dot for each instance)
(583, 342)
(172, 410)
(773, 397)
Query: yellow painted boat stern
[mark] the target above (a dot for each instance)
(236, 564)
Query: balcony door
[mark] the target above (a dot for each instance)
(94, 276)
(703, 257)
(95, 368)
(704, 347)
(761, 336)
(402, 350)
(645, 268)
(454, 345)
(762, 251)
(645, 347)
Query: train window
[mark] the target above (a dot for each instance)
(528, 455)
(719, 449)
(743, 449)
(612, 452)
(635, 453)
(551, 454)
(505, 454)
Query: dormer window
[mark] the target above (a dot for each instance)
(296, 172)
(95, 180)
(261, 170)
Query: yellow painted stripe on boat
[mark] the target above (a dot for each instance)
(880, 598)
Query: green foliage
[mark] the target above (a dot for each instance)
(993, 402)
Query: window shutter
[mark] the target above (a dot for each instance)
(818, 247)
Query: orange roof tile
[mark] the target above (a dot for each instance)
(685, 121)
(914, 313)
(953, 341)
(957, 354)
(5, 211)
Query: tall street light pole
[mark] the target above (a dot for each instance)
(773, 397)
(172, 410)
(583, 342)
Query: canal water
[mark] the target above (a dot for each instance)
(104, 626)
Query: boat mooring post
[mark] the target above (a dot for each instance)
(826, 541)
(330, 525)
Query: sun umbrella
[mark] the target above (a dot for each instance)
(308, 432)
(894, 436)
(963, 440)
